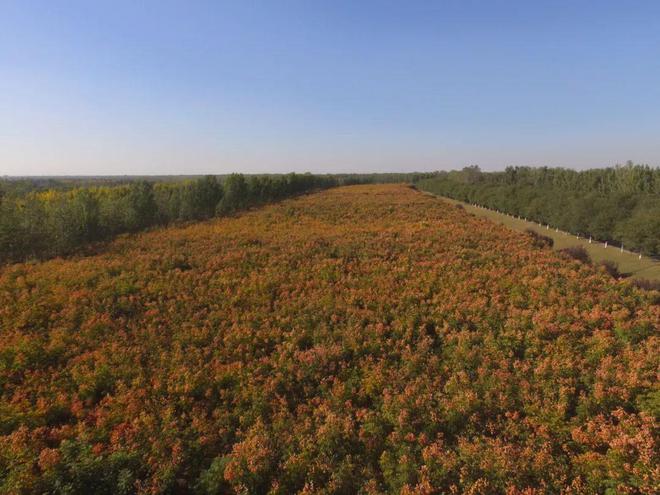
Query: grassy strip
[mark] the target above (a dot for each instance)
(628, 263)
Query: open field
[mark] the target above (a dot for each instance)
(628, 263)
(364, 339)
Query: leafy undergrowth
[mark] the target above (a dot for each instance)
(365, 339)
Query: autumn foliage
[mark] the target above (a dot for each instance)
(365, 339)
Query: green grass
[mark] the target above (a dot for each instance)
(627, 262)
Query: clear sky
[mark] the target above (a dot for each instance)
(135, 87)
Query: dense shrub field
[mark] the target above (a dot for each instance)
(618, 204)
(364, 339)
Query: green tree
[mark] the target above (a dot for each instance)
(235, 194)
(141, 206)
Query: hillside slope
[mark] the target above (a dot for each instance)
(363, 338)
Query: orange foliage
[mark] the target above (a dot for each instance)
(366, 338)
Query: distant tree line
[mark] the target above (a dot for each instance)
(46, 217)
(17, 187)
(42, 223)
(383, 177)
(618, 204)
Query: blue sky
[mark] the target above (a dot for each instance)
(326, 86)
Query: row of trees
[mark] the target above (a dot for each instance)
(55, 222)
(619, 204)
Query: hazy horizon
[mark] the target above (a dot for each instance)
(167, 88)
(284, 172)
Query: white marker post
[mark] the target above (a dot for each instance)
(605, 244)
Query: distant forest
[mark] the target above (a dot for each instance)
(619, 204)
(46, 217)
(43, 217)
